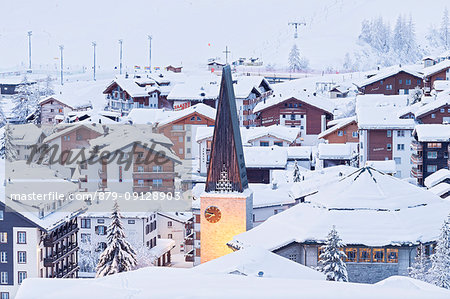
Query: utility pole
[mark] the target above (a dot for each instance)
(226, 54)
(61, 48)
(29, 49)
(150, 53)
(94, 44)
(296, 24)
(120, 65)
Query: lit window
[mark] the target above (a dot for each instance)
(392, 255)
(378, 255)
(434, 145)
(364, 255)
(3, 237)
(351, 253)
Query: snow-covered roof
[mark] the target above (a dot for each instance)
(162, 246)
(130, 86)
(387, 166)
(27, 179)
(315, 180)
(437, 177)
(336, 151)
(197, 88)
(265, 156)
(388, 72)
(253, 260)
(442, 99)
(440, 189)
(250, 134)
(126, 136)
(182, 217)
(441, 85)
(375, 112)
(338, 124)
(147, 116)
(246, 84)
(25, 134)
(75, 126)
(310, 99)
(432, 132)
(71, 101)
(199, 108)
(367, 207)
(431, 70)
(299, 152)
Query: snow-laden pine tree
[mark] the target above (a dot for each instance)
(118, 256)
(294, 59)
(332, 259)
(8, 150)
(440, 260)
(421, 266)
(445, 30)
(26, 100)
(296, 175)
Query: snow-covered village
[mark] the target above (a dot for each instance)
(217, 149)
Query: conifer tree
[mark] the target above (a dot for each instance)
(421, 265)
(118, 256)
(440, 260)
(296, 175)
(8, 150)
(332, 258)
(294, 59)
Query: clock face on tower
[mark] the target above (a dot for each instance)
(213, 214)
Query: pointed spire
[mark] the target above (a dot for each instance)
(226, 172)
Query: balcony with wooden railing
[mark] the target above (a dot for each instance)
(416, 146)
(416, 173)
(417, 159)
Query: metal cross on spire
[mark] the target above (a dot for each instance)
(226, 54)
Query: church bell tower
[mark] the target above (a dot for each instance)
(226, 206)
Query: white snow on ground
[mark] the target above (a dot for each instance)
(159, 282)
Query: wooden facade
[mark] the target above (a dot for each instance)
(396, 84)
(226, 151)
